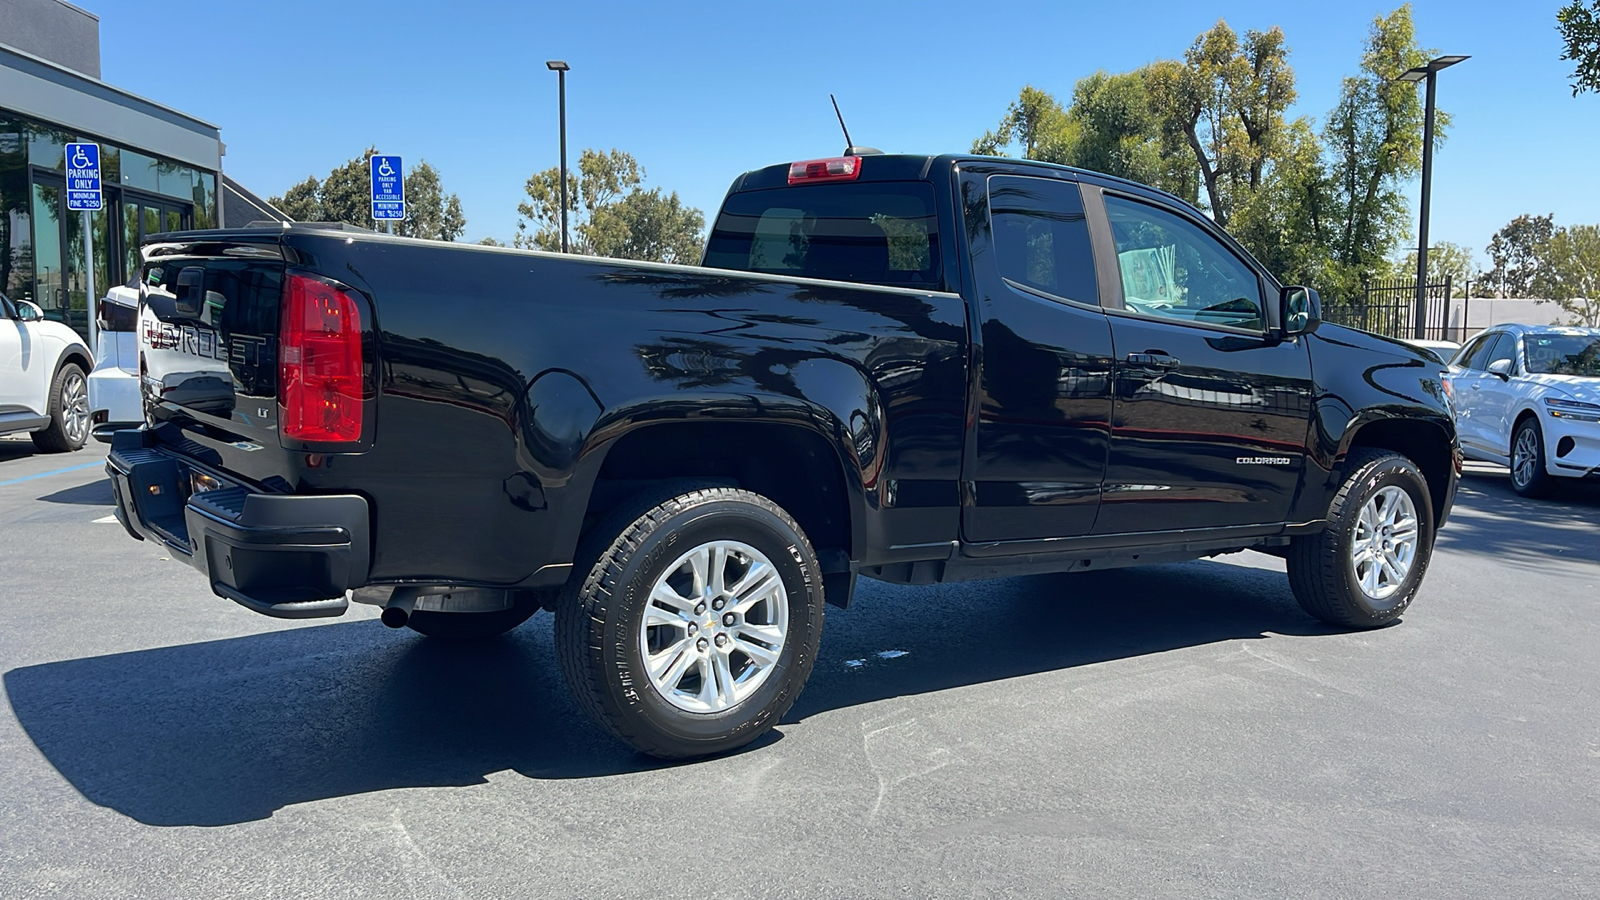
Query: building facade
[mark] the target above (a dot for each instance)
(160, 167)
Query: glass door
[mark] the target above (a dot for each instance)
(59, 285)
(143, 216)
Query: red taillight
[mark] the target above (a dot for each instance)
(843, 168)
(319, 363)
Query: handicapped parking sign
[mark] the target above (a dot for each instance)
(388, 188)
(83, 177)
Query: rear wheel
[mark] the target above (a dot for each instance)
(69, 412)
(1363, 570)
(696, 623)
(1528, 475)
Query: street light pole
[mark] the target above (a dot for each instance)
(1430, 74)
(560, 68)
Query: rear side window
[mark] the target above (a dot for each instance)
(869, 232)
(1041, 238)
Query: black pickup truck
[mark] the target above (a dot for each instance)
(916, 369)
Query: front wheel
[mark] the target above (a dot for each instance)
(696, 623)
(69, 413)
(1528, 475)
(1363, 570)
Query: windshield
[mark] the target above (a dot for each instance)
(1563, 354)
(873, 232)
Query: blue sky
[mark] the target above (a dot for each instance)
(699, 92)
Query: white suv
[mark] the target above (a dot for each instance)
(44, 387)
(1529, 397)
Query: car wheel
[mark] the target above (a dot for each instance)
(69, 413)
(1364, 568)
(695, 621)
(1528, 475)
(470, 626)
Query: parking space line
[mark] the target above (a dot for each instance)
(56, 472)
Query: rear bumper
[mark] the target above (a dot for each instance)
(283, 555)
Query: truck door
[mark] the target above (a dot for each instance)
(1212, 413)
(1037, 453)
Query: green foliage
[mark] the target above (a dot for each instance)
(1227, 99)
(1444, 259)
(1288, 223)
(1036, 121)
(491, 242)
(609, 213)
(1579, 26)
(1570, 272)
(1374, 138)
(345, 195)
(1517, 251)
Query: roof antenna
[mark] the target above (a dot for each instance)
(850, 149)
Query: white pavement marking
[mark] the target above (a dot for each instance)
(105, 520)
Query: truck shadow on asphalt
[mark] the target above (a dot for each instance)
(1492, 519)
(229, 731)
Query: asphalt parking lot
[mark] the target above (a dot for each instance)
(1179, 731)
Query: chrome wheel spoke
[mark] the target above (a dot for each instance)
(715, 655)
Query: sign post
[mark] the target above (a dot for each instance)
(84, 195)
(388, 190)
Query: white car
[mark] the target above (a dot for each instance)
(1528, 397)
(114, 402)
(1443, 351)
(44, 369)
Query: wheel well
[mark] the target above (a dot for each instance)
(1523, 416)
(75, 356)
(795, 468)
(1421, 442)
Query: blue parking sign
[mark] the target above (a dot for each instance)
(388, 188)
(83, 177)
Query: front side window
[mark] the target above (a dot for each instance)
(1041, 238)
(1563, 354)
(1506, 349)
(1173, 269)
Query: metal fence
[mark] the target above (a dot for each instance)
(1389, 307)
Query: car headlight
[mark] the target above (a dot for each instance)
(1572, 410)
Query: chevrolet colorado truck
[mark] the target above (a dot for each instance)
(914, 369)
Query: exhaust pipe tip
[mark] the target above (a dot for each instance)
(398, 610)
(394, 616)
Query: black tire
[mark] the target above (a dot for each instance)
(69, 413)
(599, 617)
(470, 626)
(1535, 483)
(1321, 570)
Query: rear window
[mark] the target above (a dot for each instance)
(874, 233)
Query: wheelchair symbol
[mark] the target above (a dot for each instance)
(80, 160)
(385, 169)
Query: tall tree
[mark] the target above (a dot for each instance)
(1289, 222)
(345, 195)
(610, 213)
(1374, 136)
(1570, 274)
(1517, 251)
(1227, 98)
(1036, 121)
(1579, 25)
(1445, 258)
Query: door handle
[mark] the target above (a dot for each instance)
(1153, 359)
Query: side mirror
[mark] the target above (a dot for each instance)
(1501, 367)
(28, 311)
(191, 292)
(1300, 310)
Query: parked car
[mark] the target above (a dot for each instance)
(1528, 397)
(1442, 351)
(912, 368)
(43, 385)
(114, 402)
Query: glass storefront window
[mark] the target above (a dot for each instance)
(16, 212)
(46, 146)
(49, 282)
(139, 171)
(205, 201)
